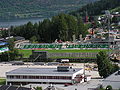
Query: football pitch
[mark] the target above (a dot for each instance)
(27, 53)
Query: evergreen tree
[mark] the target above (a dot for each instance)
(38, 88)
(44, 30)
(82, 28)
(29, 30)
(10, 55)
(62, 28)
(72, 26)
(105, 67)
(33, 39)
(97, 8)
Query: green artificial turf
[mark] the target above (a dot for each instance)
(27, 53)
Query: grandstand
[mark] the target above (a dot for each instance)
(60, 46)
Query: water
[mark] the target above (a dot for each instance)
(17, 22)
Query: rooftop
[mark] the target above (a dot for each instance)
(7, 87)
(111, 39)
(42, 71)
(114, 77)
(16, 38)
(91, 85)
(113, 80)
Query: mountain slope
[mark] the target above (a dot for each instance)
(38, 8)
(117, 9)
(98, 7)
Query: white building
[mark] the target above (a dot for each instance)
(61, 75)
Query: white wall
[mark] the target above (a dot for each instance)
(78, 72)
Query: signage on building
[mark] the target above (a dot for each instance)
(60, 46)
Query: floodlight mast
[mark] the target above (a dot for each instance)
(108, 16)
(8, 33)
(8, 24)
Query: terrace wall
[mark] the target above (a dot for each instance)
(77, 55)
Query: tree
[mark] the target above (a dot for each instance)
(72, 27)
(116, 67)
(109, 87)
(4, 33)
(82, 28)
(4, 57)
(35, 29)
(33, 39)
(38, 88)
(97, 8)
(11, 30)
(44, 31)
(62, 28)
(105, 67)
(10, 55)
(115, 19)
(29, 30)
(11, 44)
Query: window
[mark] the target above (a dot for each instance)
(39, 77)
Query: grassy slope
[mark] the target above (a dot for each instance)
(116, 9)
(2, 81)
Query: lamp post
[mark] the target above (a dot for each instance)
(108, 16)
(84, 68)
(8, 24)
(8, 33)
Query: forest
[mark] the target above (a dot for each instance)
(98, 8)
(38, 8)
(61, 27)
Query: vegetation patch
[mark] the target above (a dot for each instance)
(2, 81)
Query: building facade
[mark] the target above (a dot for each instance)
(45, 76)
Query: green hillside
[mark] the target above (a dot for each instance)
(98, 7)
(38, 8)
(116, 9)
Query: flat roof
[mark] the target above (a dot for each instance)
(42, 71)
